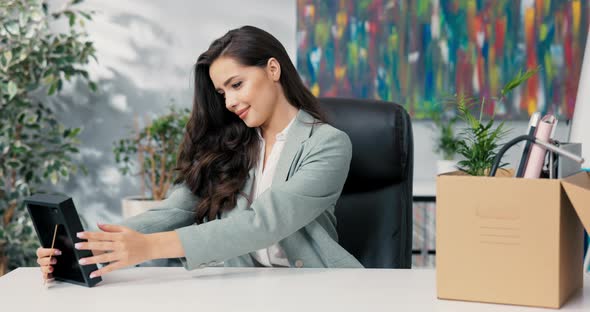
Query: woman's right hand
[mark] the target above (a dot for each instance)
(44, 262)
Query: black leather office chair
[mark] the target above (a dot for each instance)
(374, 213)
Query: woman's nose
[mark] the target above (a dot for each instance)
(230, 103)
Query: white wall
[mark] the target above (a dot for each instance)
(580, 131)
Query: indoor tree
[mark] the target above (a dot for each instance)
(35, 147)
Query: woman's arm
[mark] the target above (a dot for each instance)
(165, 245)
(176, 211)
(280, 211)
(277, 213)
(143, 237)
(127, 247)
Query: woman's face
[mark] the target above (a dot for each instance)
(250, 92)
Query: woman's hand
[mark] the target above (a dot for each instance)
(44, 262)
(43, 255)
(121, 247)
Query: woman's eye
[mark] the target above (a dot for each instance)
(236, 85)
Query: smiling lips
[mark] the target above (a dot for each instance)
(242, 113)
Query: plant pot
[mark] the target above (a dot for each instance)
(444, 166)
(134, 205)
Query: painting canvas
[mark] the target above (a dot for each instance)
(417, 52)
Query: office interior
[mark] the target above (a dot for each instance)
(146, 50)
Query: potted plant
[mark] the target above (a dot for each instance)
(446, 141)
(35, 147)
(150, 153)
(480, 141)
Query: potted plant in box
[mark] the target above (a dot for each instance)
(480, 141)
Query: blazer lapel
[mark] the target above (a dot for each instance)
(299, 132)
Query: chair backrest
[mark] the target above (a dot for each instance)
(374, 213)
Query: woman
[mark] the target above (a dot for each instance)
(259, 173)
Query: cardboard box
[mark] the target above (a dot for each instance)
(511, 241)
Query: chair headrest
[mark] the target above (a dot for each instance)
(382, 142)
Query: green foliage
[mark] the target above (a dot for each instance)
(153, 150)
(34, 146)
(447, 141)
(480, 141)
(518, 80)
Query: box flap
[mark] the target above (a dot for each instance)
(577, 188)
(501, 173)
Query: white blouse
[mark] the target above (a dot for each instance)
(273, 255)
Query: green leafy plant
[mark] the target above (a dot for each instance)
(480, 141)
(447, 141)
(34, 146)
(152, 152)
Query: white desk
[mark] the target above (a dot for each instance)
(424, 190)
(172, 289)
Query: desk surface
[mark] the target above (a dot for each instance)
(172, 289)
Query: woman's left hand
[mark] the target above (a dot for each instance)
(122, 247)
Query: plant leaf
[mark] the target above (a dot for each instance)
(12, 27)
(518, 80)
(12, 90)
(8, 57)
(71, 17)
(54, 177)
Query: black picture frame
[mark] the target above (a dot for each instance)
(47, 210)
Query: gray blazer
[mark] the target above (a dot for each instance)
(297, 211)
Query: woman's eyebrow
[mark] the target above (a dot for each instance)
(227, 82)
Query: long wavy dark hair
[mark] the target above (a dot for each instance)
(218, 149)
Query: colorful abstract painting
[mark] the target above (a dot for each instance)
(417, 52)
